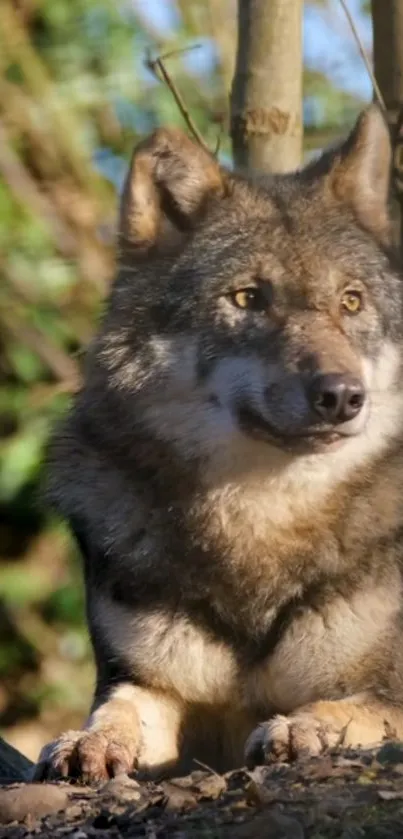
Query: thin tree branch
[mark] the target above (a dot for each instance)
(157, 64)
(70, 246)
(17, 46)
(64, 368)
(26, 191)
(363, 54)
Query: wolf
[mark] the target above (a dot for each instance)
(232, 468)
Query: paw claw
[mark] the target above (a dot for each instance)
(92, 756)
(283, 738)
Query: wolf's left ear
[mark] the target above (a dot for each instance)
(169, 183)
(360, 173)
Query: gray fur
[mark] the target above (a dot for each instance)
(243, 557)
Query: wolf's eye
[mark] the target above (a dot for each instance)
(351, 302)
(250, 298)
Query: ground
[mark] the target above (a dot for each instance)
(344, 795)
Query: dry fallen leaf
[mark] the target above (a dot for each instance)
(210, 786)
(390, 795)
(178, 797)
(256, 794)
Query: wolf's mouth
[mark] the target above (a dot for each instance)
(254, 425)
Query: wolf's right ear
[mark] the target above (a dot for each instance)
(168, 185)
(360, 172)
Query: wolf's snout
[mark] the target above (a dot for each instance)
(336, 397)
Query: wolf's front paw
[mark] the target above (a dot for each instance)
(288, 738)
(91, 755)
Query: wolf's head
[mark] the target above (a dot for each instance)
(257, 309)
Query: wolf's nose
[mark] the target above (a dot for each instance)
(336, 397)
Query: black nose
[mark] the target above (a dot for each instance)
(336, 397)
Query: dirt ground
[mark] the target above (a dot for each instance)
(346, 795)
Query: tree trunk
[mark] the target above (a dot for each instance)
(266, 101)
(387, 21)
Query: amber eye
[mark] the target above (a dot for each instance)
(351, 302)
(250, 298)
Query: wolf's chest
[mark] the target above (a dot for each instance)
(324, 650)
(264, 522)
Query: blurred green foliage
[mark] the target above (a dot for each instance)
(75, 94)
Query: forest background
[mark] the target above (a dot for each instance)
(78, 87)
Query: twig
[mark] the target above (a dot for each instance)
(179, 51)
(342, 736)
(206, 767)
(363, 54)
(158, 64)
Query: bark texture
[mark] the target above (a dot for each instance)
(266, 101)
(387, 21)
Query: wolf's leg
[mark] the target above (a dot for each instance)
(133, 728)
(359, 721)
